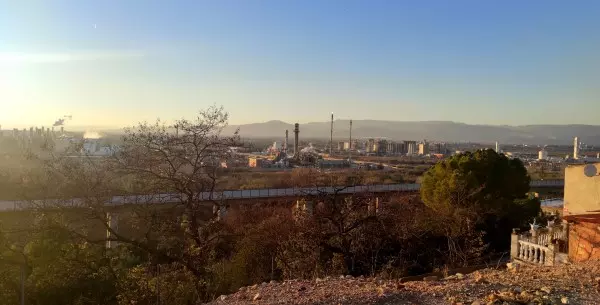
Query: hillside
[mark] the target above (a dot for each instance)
(567, 284)
(430, 130)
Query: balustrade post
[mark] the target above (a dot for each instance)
(514, 244)
(550, 255)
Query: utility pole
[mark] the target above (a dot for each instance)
(331, 137)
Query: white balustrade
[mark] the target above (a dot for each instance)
(534, 253)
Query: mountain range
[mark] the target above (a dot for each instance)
(445, 131)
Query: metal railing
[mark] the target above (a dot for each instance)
(547, 183)
(12, 205)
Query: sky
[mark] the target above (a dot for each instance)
(113, 63)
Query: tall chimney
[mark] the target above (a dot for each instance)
(285, 145)
(497, 147)
(296, 132)
(331, 136)
(350, 144)
(576, 148)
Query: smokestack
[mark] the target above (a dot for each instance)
(296, 132)
(331, 137)
(350, 144)
(576, 148)
(497, 147)
(285, 145)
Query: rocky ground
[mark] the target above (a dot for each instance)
(566, 284)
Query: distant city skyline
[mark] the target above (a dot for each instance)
(115, 63)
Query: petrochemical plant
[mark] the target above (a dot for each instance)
(339, 154)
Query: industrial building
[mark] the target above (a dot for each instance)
(439, 148)
(258, 162)
(395, 148)
(411, 147)
(423, 148)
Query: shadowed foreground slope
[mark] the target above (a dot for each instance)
(567, 284)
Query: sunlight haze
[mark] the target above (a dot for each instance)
(114, 63)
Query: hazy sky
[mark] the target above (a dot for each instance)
(116, 62)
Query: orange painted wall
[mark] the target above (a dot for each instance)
(584, 241)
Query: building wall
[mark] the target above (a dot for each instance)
(584, 241)
(582, 193)
(423, 149)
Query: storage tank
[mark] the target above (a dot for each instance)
(543, 155)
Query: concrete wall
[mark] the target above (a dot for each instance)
(584, 241)
(582, 193)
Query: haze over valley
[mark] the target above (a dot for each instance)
(430, 130)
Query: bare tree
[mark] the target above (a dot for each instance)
(165, 177)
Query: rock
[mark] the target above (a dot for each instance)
(342, 277)
(517, 289)
(564, 300)
(348, 276)
(273, 282)
(222, 297)
(431, 278)
(547, 290)
(478, 277)
(450, 277)
(263, 284)
(257, 296)
(460, 276)
(513, 267)
(525, 296)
